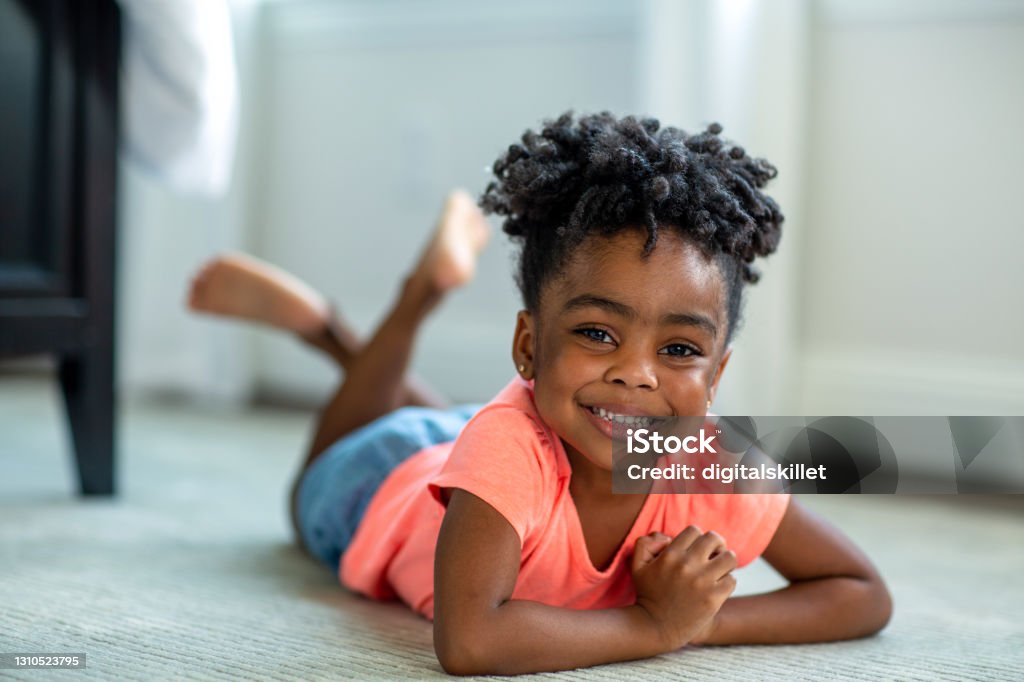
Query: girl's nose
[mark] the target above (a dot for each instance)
(632, 369)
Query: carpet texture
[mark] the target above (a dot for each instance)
(190, 572)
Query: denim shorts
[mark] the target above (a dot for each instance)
(337, 488)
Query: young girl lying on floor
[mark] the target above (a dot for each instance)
(636, 243)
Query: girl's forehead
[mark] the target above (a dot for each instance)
(676, 272)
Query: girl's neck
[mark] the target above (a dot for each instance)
(591, 482)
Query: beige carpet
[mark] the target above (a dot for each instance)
(190, 573)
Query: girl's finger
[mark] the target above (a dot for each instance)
(644, 551)
(659, 541)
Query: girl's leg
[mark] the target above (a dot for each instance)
(240, 286)
(374, 382)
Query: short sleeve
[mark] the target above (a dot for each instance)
(747, 522)
(501, 456)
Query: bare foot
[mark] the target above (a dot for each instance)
(236, 285)
(450, 258)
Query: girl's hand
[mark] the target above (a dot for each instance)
(683, 582)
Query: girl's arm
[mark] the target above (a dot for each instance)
(479, 629)
(834, 593)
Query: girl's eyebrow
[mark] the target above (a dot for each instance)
(623, 310)
(691, 320)
(590, 300)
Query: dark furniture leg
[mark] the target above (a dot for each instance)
(87, 382)
(87, 377)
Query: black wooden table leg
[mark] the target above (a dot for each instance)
(87, 377)
(87, 382)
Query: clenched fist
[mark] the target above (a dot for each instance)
(682, 582)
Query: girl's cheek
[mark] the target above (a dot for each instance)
(565, 365)
(577, 361)
(689, 392)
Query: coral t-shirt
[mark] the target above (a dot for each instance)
(510, 459)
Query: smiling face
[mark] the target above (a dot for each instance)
(621, 334)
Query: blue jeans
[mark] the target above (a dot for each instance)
(336, 489)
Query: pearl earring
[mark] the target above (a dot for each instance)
(522, 368)
(708, 407)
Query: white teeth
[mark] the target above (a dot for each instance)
(629, 420)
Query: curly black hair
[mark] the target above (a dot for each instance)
(598, 175)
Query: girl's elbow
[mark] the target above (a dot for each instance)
(458, 662)
(886, 607)
(460, 653)
(880, 612)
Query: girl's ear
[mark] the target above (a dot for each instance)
(713, 388)
(524, 344)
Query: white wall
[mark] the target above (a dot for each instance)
(912, 285)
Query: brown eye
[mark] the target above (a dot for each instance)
(680, 350)
(594, 334)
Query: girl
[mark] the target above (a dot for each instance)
(499, 522)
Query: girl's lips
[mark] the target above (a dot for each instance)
(627, 414)
(609, 429)
(626, 410)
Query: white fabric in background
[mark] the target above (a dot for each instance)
(180, 91)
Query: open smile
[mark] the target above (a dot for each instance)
(613, 424)
(629, 419)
